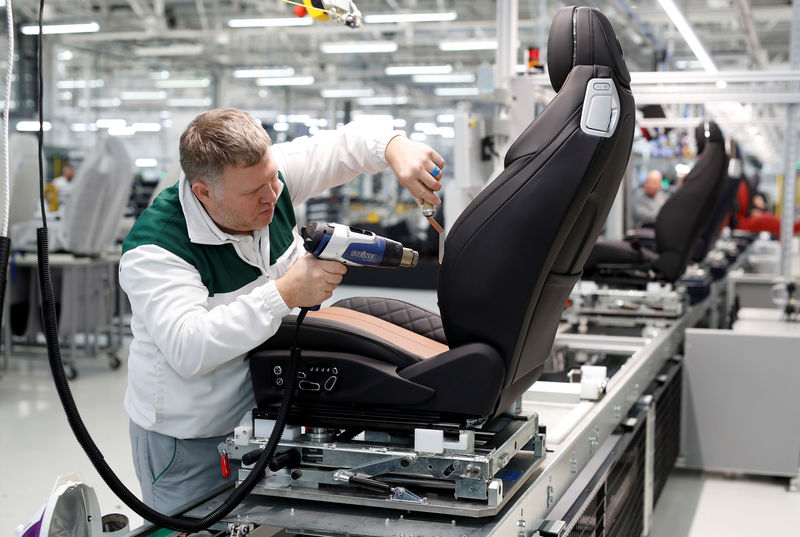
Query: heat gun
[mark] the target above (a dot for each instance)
(355, 246)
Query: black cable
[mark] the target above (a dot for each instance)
(40, 133)
(50, 324)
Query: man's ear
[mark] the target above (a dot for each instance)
(202, 191)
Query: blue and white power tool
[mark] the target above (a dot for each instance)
(355, 246)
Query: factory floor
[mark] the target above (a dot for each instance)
(36, 446)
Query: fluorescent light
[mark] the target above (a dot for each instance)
(344, 93)
(417, 136)
(382, 101)
(64, 55)
(399, 123)
(390, 18)
(196, 103)
(721, 84)
(186, 49)
(445, 118)
(80, 84)
(425, 127)
(32, 126)
(147, 127)
(83, 28)
(187, 83)
(268, 23)
(263, 73)
(455, 78)
(99, 103)
(456, 92)
(146, 162)
(394, 70)
(358, 47)
(143, 95)
(688, 35)
(159, 75)
(65, 95)
(471, 44)
(110, 123)
(280, 126)
(286, 81)
(122, 131)
(83, 127)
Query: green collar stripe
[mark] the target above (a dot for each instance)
(283, 222)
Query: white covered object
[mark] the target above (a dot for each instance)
(102, 187)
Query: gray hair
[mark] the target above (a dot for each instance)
(219, 138)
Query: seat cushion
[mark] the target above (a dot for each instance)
(398, 312)
(337, 329)
(618, 253)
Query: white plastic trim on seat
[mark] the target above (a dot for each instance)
(600, 113)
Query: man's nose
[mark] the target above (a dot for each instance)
(269, 196)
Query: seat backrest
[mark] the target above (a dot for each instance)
(686, 213)
(515, 253)
(102, 187)
(724, 205)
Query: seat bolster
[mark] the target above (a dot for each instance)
(466, 380)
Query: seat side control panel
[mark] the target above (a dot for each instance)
(312, 377)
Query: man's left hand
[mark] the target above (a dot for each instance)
(417, 167)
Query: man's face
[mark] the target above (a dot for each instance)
(652, 185)
(248, 197)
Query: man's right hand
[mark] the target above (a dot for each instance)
(310, 281)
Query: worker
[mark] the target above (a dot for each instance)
(63, 184)
(648, 199)
(211, 268)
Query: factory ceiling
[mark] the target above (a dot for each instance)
(150, 54)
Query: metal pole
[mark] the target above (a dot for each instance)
(790, 157)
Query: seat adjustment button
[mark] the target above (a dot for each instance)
(308, 386)
(330, 383)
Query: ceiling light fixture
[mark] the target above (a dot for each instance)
(180, 49)
(146, 162)
(187, 83)
(143, 95)
(33, 126)
(270, 23)
(454, 78)
(470, 44)
(286, 81)
(358, 47)
(82, 28)
(382, 101)
(146, 127)
(456, 92)
(688, 34)
(263, 73)
(80, 84)
(345, 93)
(190, 103)
(390, 18)
(110, 123)
(395, 70)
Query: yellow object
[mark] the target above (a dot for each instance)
(373, 218)
(51, 197)
(316, 14)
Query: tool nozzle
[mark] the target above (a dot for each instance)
(410, 258)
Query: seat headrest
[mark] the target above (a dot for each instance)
(583, 36)
(707, 132)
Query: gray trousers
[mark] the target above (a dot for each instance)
(174, 472)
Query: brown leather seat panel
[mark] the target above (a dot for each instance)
(407, 340)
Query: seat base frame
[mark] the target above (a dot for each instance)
(473, 480)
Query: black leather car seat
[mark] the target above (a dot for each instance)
(511, 260)
(679, 223)
(724, 205)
